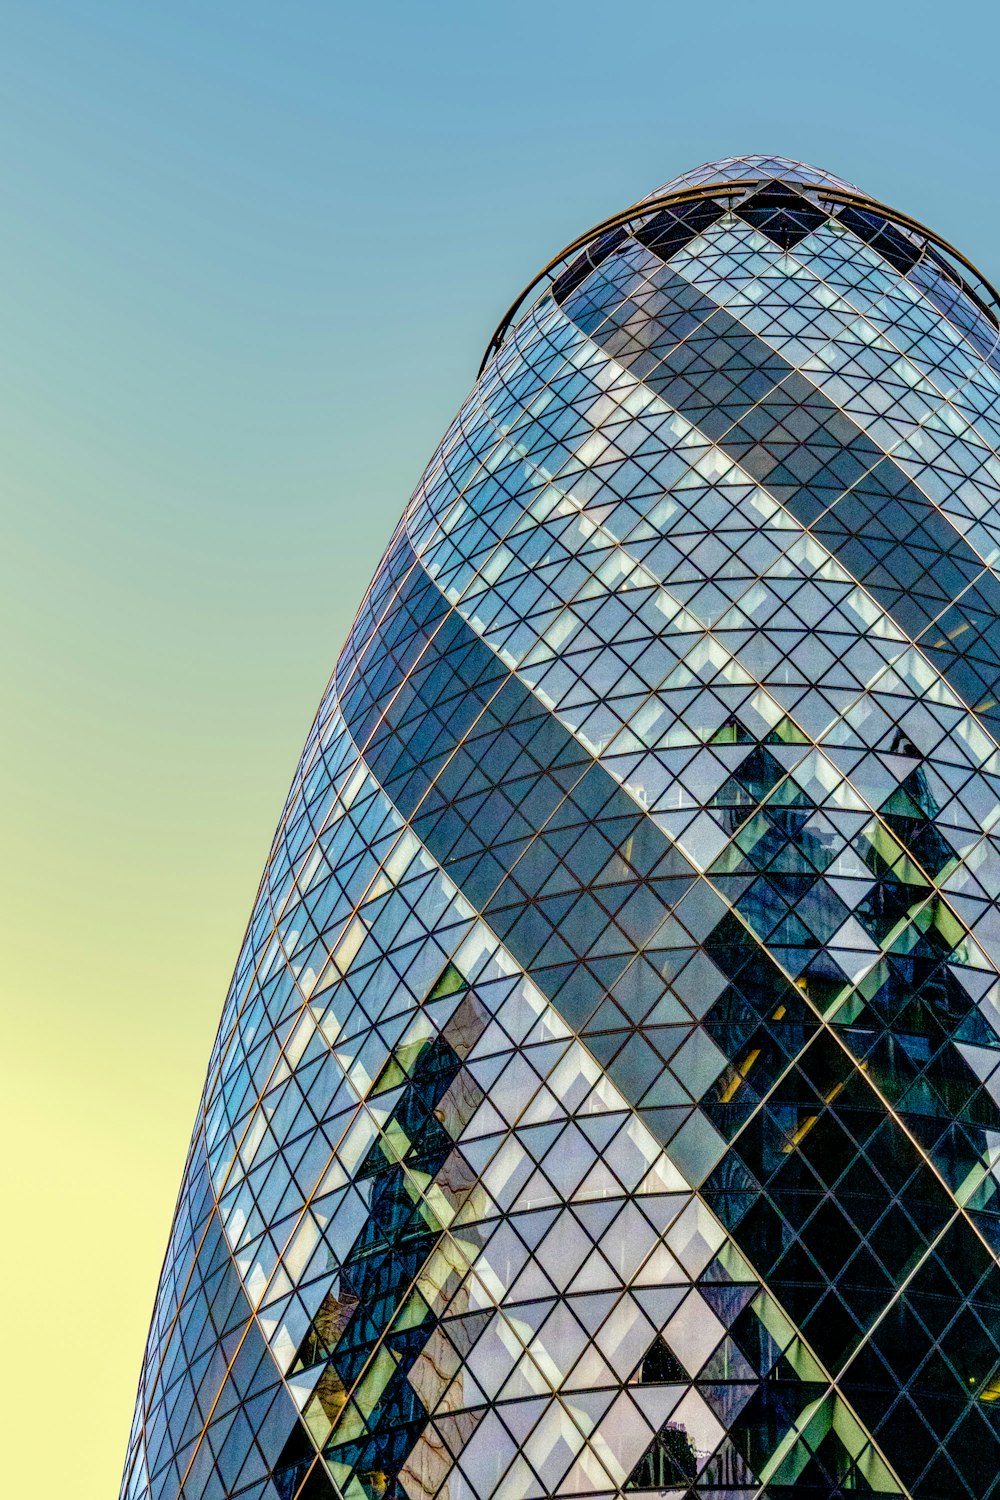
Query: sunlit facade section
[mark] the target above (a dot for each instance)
(607, 1099)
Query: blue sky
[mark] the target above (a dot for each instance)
(250, 256)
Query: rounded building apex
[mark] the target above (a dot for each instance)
(764, 167)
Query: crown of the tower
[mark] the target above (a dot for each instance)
(756, 168)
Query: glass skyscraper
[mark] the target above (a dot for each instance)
(606, 1100)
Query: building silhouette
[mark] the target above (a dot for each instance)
(606, 1099)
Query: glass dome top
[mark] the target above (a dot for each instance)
(731, 168)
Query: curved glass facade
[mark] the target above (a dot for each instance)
(606, 1099)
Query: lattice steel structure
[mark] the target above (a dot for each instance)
(606, 1100)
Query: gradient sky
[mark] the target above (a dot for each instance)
(249, 258)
